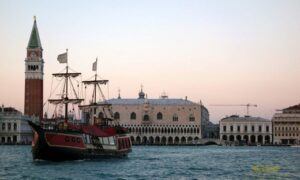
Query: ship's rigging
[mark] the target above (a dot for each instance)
(67, 94)
(101, 104)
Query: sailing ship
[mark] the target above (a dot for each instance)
(59, 139)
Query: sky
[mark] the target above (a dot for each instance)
(216, 52)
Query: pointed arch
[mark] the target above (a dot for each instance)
(151, 140)
(133, 116)
(159, 116)
(145, 141)
(163, 140)
(138, 140)
(176, 140)
(175, 117)
(146, 117)
(190, 139)
(116, 115)
(192, 117)
(157, 140)
(170, 140)
(183, 140)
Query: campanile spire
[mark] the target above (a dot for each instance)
(34, 41)
(34, 72)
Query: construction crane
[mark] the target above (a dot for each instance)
(247, 106)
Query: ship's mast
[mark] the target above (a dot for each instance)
(63, 58)
(95, 90)
(66, 98)
(96, 82)
(95, 86)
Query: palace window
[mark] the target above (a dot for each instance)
(159, 116)
(3, 126)
(192, 117)
(246, 128)
(15, 126)
(259, 128)
(231, 128)
(146, 117)
(267, 128)
(133, 116)
(238, 128)
(253, 128)
(117, 115)
(224, 128)
(175, 117)
(9, 126)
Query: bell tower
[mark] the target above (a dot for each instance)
(34, 72)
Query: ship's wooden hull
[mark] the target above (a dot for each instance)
(71, 145)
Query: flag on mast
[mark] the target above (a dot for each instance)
(95, 65)
(63, 58)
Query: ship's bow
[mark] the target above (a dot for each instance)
(37, 137)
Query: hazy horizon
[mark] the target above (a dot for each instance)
(219, 52)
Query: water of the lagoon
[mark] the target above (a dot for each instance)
(160, 162)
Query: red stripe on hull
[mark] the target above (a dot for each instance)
(64, 140)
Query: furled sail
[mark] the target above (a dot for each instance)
(66, 74)
(65, 101)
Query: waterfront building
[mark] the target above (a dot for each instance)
(34, 72)
(245, 130)
(208, 129)
(14, 127)
(286, 126)
(159, 121)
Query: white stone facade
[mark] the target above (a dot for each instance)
(14, 128)
(158, 121)
(245, 130)
(286, 126)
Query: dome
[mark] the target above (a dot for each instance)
(141, 95)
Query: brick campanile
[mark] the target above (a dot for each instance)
(34, 72)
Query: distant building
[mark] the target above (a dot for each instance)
(14, 127)
(208, 129)
(245, 130)
(159, 121)
(286, 126)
